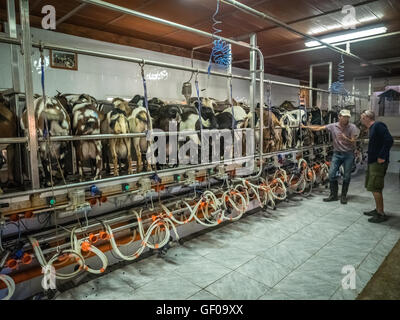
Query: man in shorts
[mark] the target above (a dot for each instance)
(380, 142)
(344, 136)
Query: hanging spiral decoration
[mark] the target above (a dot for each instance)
(221, 52)
(338, 86)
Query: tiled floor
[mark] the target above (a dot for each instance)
(295, 252)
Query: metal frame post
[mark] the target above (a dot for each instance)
(330, 65)
(16, 84)
(229, 80)
(253, 67)
(26, 51)
(369, 89)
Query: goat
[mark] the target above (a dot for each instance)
(122, 105)
(116, 122)
(86, 122)
(190, 118)
(53, 120)
(139, 123)
(8, 125)
(272, 132)
(241, 118)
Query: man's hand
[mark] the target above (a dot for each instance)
(303, 126)
(381, 160)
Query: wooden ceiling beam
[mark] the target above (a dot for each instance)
(147, 3)
(117, 39)
(35, 5)
(310, 17)
(196, 25)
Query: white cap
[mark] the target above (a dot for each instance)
(345, 113)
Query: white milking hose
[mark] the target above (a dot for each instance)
(254, 188)
(38, 251)
(245, 191)
(44, 264)
(118, 252)
(78, 258)
(244, 204)
(76, 246)
(9, 282)
(283, 172)
(283, 187)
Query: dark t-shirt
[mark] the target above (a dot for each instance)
(380, 142)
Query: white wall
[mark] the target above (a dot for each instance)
(104, 77)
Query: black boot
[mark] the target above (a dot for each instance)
(345, 188)
(334, 192)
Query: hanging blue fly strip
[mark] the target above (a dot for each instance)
(221, 52)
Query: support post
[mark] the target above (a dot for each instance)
(27, 50)
(310, 92)
(329, 85)
(16, 85)
(369, 88)
(330, 65)
(253, 67)
(229, 80)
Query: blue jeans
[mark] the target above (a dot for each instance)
(339, 158)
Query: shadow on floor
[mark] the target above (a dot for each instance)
(385, 284)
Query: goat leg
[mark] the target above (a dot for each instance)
(10, 165)
(139, 163)
(114, 156)
(80, 164)
(47, 171)
(99, 162)
(149, 160)
(129, 155)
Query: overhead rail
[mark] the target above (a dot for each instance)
(264, 16)
(324, 47)
(106, 55)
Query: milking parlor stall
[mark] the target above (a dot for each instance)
(129, 127)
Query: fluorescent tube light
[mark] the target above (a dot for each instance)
(348, 36)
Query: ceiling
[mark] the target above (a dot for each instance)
(316, 17)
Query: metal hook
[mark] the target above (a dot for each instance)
(141, 64)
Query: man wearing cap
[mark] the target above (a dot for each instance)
(344, 135)
(380, 142)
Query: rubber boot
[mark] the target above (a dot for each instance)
(345, 188)
(334, 186)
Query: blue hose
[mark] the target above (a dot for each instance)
(338, 86)
(221, 52)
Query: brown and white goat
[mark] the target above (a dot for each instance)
(87, 122)
(116, 122)
(51, 120)
(139, 122)
(272, 132)
(8, 126)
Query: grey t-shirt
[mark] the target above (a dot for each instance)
(340, 144)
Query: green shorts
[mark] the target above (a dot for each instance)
(374, 180)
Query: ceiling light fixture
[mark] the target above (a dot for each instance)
(348, 36)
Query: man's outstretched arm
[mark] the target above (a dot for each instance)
(314, 127)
